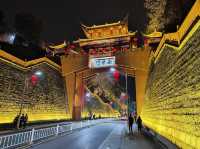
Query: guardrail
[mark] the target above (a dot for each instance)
(31, 136)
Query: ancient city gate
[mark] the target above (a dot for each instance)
(113, 39)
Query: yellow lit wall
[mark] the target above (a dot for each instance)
(44, 101)
(172, 100)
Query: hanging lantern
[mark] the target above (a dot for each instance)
(104, 50)
(92, 51)
(114, 49)
(66, 51)
(145, 42)
(72, 46)
(123, 96)
(116, 75)
(34, 79)
(85, 53)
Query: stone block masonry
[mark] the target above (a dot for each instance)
(172, 99)
(46, 100)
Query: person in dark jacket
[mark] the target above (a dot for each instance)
(130, 123)
(139, 124)
(22, 121)
(15, 121)
(25, 120)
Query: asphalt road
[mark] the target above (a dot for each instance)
(90, 138)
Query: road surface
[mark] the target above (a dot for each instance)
(106, 135)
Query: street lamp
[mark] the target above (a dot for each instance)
(87, 94)
(26, 84)
(38, 73)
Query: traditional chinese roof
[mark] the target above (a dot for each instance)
(112, 32)
(101, 26)
(154, 34)
(119, 28)
(58, 46)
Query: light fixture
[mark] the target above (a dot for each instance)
(87, 94)
(112, 69)
(38, 73)
(11, 38)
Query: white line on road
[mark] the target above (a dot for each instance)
(103, 143)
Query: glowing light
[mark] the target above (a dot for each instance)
(11, 38)
(112, 69)
(87, 94)
(38, 73)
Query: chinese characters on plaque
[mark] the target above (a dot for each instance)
(102, 62)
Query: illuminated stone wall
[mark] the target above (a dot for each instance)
(172, 100)
(44, 101)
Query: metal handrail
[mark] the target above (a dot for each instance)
(31, 136)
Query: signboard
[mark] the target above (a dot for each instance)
(102, 62)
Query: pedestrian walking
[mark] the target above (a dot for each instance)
(25, 120)
(139, 124)
(94, 116)
(135, 118)
(22, 121)
(15, 121)
(130, 123)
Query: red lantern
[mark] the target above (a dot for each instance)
(123, 96)
(104, 50)
(145, 42)
(34, 79)
(72, 46)
(92, 51)
(116, 75)
(114, 49)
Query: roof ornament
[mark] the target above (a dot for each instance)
(125, 20)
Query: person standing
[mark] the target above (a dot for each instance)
(135, 118)
(15, 121)
(130, 123)
(25, 120)
(94, 116)
(22, 121)
(139, 124)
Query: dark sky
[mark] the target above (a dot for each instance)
(62, 17)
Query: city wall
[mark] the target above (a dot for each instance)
(172, 98)
(44, 100)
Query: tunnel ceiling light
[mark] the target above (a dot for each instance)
(112, 69)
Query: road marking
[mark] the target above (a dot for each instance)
(106, 139)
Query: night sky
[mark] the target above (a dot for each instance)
(62, 17)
